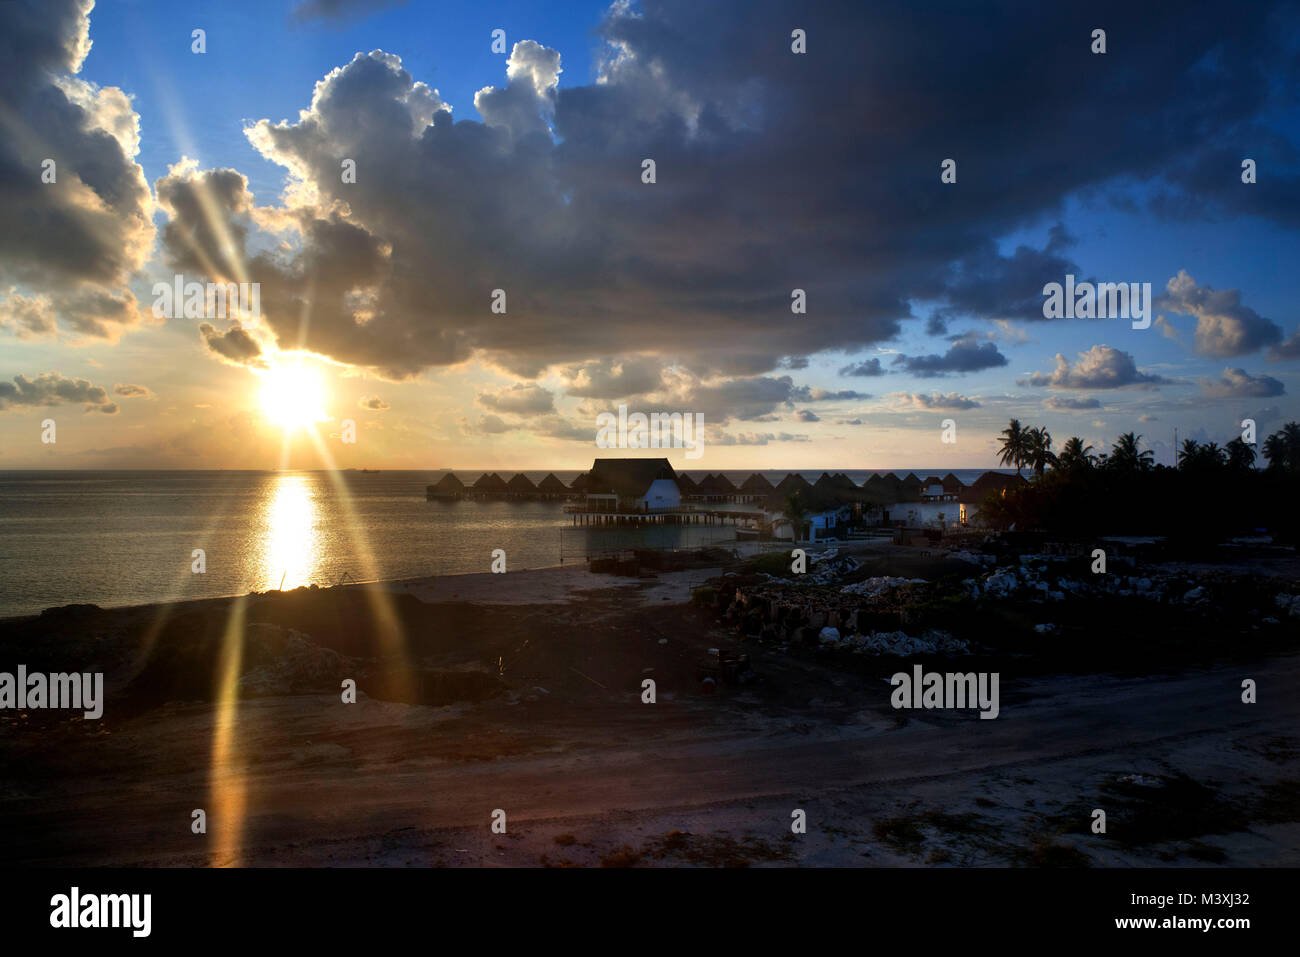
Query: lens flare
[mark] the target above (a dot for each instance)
(293, 396)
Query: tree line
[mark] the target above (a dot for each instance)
(1214, 491)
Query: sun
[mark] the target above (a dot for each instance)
(293, 396)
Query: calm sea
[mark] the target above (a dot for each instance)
(123, 538)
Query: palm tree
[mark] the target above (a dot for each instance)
(1075, 455)
(1282, 448)
(1189, 453)
(1240, 455)
(1125, 457)
(1014, 445)
(1038, 450)
(796, 513)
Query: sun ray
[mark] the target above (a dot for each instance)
(228, 788)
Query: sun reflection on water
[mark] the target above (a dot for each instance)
(292, 537)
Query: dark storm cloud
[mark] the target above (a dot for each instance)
(868, 367)
(71, 244)
(986, 285)
(775, 171)
(967, 354)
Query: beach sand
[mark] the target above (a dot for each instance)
(527, 699)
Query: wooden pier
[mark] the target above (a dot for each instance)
(685, 515)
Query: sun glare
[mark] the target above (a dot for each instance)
(293, 396)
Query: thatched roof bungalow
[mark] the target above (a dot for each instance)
(448, 487)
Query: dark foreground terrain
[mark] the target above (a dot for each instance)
(473, 699)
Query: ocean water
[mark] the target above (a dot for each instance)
(124, 538)
(121, 538)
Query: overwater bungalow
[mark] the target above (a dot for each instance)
(716, 488)
(521, 486)
(793, 482)
(489, 485)
(911, 488)
(552, 488)
(755, 489)
(447, 488)
(632, 485)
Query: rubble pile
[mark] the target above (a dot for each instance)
(1044, 578)
(862, 617)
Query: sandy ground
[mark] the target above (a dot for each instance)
(558, 584)
(589, 775)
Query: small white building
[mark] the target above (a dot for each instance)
(632, 485)
(940, 513)
(816, 525)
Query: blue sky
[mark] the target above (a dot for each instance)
(776, 172)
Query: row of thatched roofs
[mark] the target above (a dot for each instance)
(490, 483)
(828, 491)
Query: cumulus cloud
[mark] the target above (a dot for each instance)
(836, 395)
(54, 388)
(68, 247)
(522, 399)
(1288, 349)
(1240, 384)
(1224, 327)
(553, 426)
(758, 438)
(493, 424)
(131, 391)
(868, 367)
(807, 415)
(27, 317)
(611, 379)
(544, 200)
(967, 354)
(373, 403)
(1061, 403)
(1101, 367)
(745, 399)
(235, 346)
(526, 103)
(936, 402)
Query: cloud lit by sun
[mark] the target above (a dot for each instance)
(293, 395)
